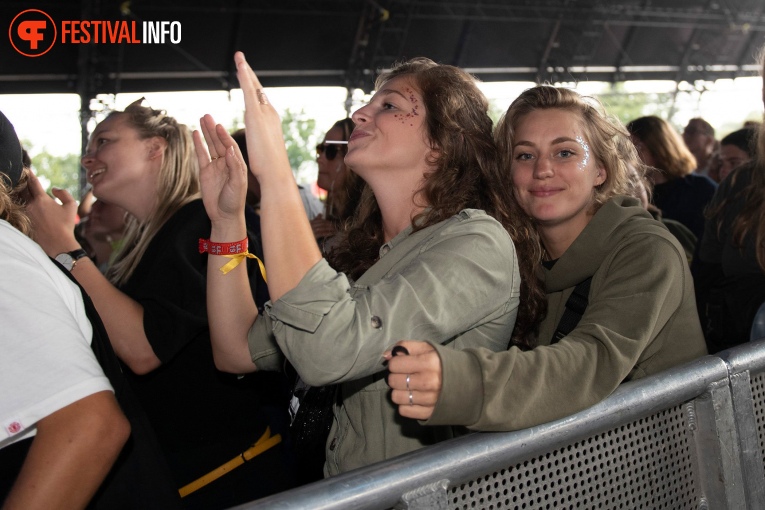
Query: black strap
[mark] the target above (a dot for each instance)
(575, 307)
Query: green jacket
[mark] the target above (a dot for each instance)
(641, 319)
(454, 283)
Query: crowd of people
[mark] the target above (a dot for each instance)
(204, 332)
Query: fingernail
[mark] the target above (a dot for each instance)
(399, 349)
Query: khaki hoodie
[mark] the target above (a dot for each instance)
(641, 319)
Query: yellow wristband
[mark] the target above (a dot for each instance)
(238, 258)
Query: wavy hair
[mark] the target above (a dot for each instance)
(751, 220)
(671, 156)
(465, 175)
(609, 141)
(13, 203)
(178, 183)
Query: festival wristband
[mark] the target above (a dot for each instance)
(205, 245)
(237, 252)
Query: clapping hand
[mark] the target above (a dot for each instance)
(222, 172)
(263, 128)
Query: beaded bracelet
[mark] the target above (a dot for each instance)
(236, 251)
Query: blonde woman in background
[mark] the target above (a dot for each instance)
(152, 302)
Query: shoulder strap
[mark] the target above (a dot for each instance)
(575, 306)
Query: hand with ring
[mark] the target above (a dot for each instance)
(265, 141)
(415, 379)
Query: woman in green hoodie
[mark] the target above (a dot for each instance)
(569, 164)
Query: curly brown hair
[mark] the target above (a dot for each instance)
(466, 175)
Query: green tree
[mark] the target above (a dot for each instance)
(299, 138)
(495, 112)
(627, 106)
(60, 171)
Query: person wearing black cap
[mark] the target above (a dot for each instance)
(61, 426)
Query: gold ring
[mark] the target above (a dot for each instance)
(216, 157)
(262, 99)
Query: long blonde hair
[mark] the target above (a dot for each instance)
(178, 184)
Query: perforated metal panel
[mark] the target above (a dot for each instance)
(646, 464)
(758, 402)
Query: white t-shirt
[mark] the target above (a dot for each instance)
(46, 362)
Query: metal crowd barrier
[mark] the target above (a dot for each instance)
(692, 437)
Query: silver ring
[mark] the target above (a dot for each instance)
(407, 381)
(411, 399)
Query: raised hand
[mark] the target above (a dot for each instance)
(53, 223)
(222, 172)
(265, 141)
(415, 379)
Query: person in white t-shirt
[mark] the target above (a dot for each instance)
(52, 390)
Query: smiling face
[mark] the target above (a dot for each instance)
(390, 136)
(554, 171)
(120, 166)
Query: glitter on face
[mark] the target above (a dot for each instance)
(586, 148)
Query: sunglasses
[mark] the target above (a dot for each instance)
(329, 148)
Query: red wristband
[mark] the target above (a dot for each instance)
(205, 245)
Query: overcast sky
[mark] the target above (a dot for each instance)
(51, 121)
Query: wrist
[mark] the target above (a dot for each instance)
(228, 231)
(69, 259)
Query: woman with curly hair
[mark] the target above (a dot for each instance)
(427, 256)
(620, 301)
(152, 302)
